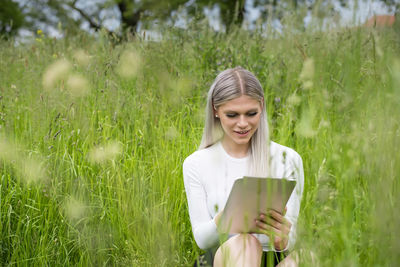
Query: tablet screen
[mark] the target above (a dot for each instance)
(251, 196)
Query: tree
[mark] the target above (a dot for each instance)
(231, 12)
(11, 18)
(74, 14)
(132, 14)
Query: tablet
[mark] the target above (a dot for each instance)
(251, 196)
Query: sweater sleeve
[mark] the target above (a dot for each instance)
(203, 225)
(293, 205)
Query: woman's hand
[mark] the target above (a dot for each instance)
(276, 227)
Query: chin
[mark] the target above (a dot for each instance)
(242, 141)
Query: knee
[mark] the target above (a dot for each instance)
(247, 240)
(241, 248)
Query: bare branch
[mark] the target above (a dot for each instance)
(92, 23)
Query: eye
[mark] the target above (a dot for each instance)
(252, 114)
(231, 115)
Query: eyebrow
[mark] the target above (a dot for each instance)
(234, 111)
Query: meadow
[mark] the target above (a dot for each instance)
(93, 134)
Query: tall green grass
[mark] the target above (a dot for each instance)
(91, 165)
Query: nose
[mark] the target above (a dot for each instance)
(242, 123)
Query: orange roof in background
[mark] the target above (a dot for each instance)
(380, 21)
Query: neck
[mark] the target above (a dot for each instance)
(235, 150)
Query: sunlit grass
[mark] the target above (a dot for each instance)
(93, 136)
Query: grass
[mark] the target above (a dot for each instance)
(91, 166)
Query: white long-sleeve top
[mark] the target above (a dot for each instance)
(209, 175)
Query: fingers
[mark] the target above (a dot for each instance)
(274, 220)
(276, 226)
(279, 217)
(269, 230)
(279, 236)
(270, 221)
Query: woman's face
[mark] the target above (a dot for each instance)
(239, 118)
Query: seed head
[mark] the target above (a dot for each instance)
(171, 133)
(101, 154)
(32, 171)
(74, 209)
(307, 73)
(129, 64)
(294, 99)
(82, 57)
(304, 127)
(55, 72)
(77, 85)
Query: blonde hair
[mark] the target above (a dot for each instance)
(228, 85)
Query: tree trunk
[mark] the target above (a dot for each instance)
(129, 17)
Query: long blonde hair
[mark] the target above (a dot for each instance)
(228, 85)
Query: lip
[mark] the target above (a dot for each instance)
(242, 133)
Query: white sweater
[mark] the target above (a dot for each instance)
(209, 175)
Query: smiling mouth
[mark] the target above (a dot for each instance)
(242, 132)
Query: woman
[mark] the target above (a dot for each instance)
(236, 143)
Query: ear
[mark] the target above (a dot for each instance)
(214, 108)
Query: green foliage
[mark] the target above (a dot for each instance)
(73, 15)
(93, 136)
(11, 18)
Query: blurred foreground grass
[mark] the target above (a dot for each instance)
(93, 135)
